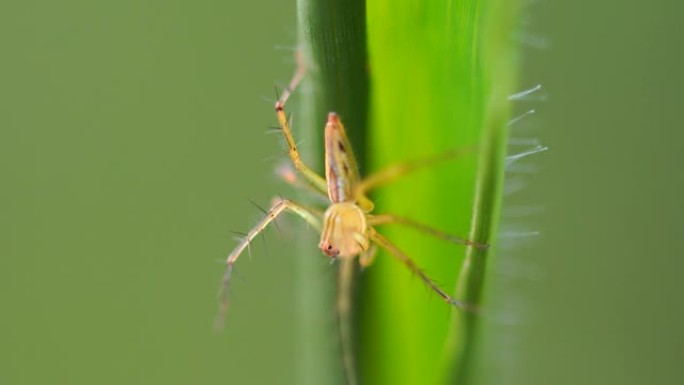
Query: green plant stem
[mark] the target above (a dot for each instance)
(332, 35)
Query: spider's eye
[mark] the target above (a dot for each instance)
(329, 250)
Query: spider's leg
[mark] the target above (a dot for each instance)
(389, 218)
(316, 180)
(399, 170)
(406, 260)
(270, 216)
(345, 319)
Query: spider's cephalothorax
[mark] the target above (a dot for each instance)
(344, 231)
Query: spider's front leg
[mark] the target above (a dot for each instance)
(278, 208)
(316, 180)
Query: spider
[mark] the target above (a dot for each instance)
(347, 227)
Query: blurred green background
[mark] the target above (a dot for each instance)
(132, 137)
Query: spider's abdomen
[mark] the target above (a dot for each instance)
(344, 231)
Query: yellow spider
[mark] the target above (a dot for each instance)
(347, 227)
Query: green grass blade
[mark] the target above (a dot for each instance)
(426, 100)
(440, 75)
